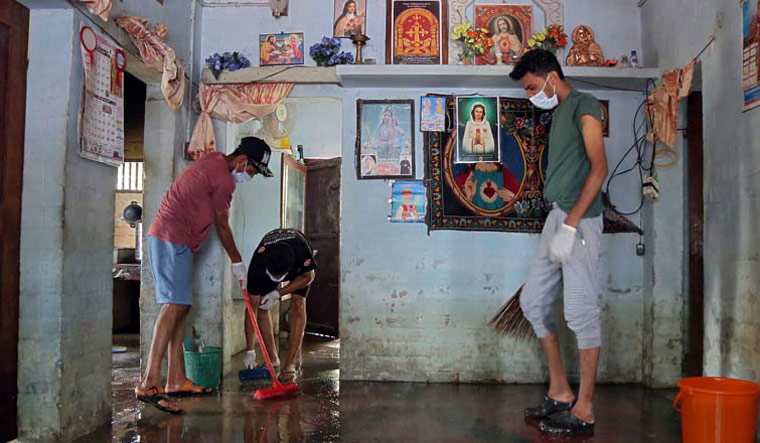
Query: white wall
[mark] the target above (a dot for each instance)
(731, 179)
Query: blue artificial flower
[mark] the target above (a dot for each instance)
(335, 41)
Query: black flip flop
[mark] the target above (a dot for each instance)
(152, 397)
(565, 423)
(548, 407)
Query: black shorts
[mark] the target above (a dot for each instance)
(260, 284)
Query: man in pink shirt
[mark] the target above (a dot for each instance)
(198, 199)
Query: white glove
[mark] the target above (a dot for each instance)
(239, 273)
(561, 246)
(250, 359)
(269, 300)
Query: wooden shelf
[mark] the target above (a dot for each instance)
(482, 77)
(429, 76)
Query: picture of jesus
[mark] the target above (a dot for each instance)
(477, 130)
(508, 39)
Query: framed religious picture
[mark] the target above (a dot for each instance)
(408, 201)
(477, 129)
(281, 49)
(510, 26)
(605, 117)
(416, 32)
(433, 114)
(350, 17)
(384, 139)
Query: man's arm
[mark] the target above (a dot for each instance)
(591, 128)
(221, 221)
(299, 282)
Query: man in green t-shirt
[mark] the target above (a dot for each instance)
(568, 251)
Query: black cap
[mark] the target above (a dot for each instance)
(258, 153)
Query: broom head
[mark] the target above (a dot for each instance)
(276, 391)
(510, 320)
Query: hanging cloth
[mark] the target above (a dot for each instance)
(235, 103)
(662, 103)
(100, 8)
(158, 55)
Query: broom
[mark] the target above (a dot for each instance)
(278, 389)
(510, 320)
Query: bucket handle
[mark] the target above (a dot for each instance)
(676, 402)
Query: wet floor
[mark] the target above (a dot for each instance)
(328, 410)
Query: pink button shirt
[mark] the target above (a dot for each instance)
(187, 211)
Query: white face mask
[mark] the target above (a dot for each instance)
(240, 177)
(274, 279)
(542, 101)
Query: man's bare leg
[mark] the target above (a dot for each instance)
(584, 407)
(175, 378)
(297, 327)
(559, 388)
(168, 318)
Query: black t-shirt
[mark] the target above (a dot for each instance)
(259, 282)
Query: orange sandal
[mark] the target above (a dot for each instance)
(190, 389)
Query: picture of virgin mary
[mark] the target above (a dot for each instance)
(479, 137)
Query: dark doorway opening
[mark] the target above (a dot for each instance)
(695, 173)
(14, 30)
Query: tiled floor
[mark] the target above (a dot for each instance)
(329, 410)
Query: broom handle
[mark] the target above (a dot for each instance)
(258, 336)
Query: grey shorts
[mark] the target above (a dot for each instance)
(575, 277)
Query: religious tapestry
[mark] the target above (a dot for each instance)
(385, 139)
(416, 32)
(510, 27)
(505, 195)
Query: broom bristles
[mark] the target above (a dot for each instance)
(510, 320)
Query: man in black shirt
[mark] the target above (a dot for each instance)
(282, 255)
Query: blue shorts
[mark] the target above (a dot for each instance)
(172, 268)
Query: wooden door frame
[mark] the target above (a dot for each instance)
(693, 358)
(16, 17)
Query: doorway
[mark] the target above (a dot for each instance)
(696, 326)
(14, 29)
(127, 248)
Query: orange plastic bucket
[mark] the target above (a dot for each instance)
(717, 410)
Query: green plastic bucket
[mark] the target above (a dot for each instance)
(204, 368)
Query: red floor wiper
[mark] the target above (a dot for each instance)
(278, 389)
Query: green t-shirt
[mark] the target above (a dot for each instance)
(569, 165)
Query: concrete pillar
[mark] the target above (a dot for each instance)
(66, 248)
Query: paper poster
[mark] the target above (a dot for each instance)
(408, 201)
(433, 118)
(101, 109)
(751, 58)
